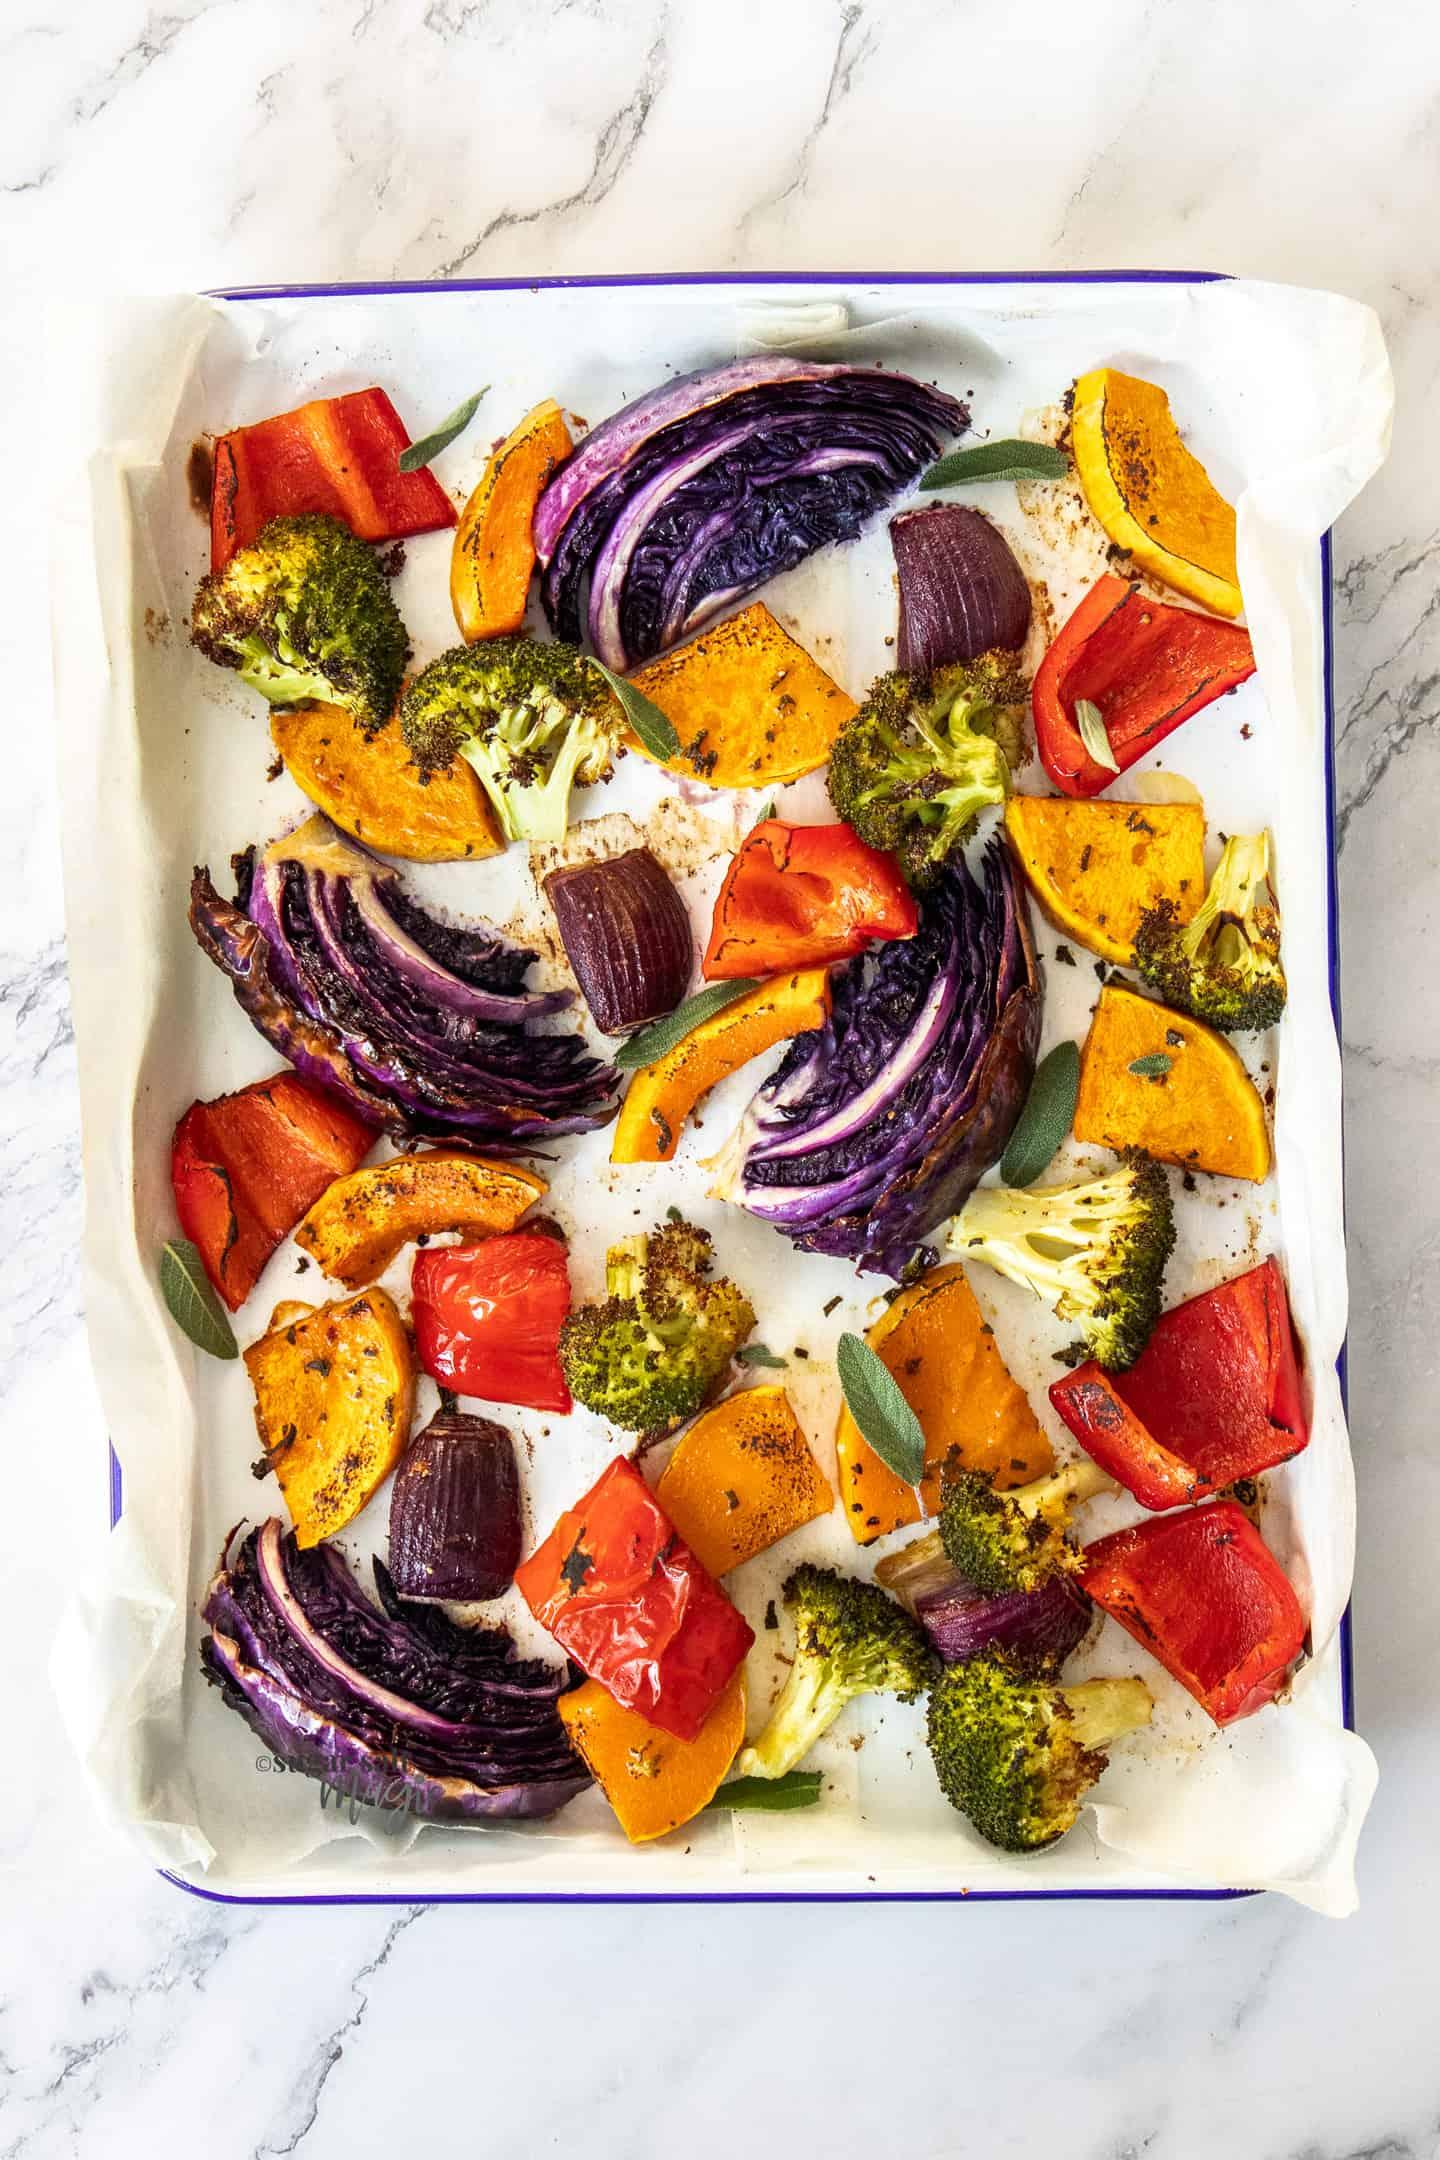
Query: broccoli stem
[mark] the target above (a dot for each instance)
(1101, 1710)
(1051, 1496)
(805, 1707)
(1242, 873)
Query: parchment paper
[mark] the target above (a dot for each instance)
(1286, 394)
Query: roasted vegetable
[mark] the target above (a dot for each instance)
(658, 506)
(626, 935)
(304, 613)
(488, 1317)
(1095, 1250)
(653, 1781)
(493, 559)
(1223, 963)
(369, 786)
(334, 1390)
(804, 896)
(742, 1478)
(1155, 1079)
(1017, 1753)
(1004, 1541)
(661, 1096)
(1037, 1626)
(665, 1333)
(1095, 867)
(455, 1526)
(919, 762)
(397, 1708)
(874, 1129)
(962, 593)
(532, 720)
(850, 1639)
(750, 706)
(359, 1224)
(1152, 495)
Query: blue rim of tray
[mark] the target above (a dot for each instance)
(652, 278)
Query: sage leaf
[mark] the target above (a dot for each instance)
(650, 724)
(194, 1307)
(875, 1402)
(1090, 721)
(759, 1353)
(1009, 460)
(440, 438)
(652, 1042)
(774, 1795)
(1047, 1117)
(1153, 1067)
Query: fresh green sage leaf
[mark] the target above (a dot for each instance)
(766, 814)
(440, 438)
(1047, 1117)
(652, 1042)
(1091, 723)
(650, 724)
(759, 1353)
(875, 1402)
(1010, 460)
(1153, 1067)
(775, 1795)
(194, 1307)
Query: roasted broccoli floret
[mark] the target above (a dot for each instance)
(1015, 1540)
(304, 613)
(664, 1334)
(533, 719)
(917, 764)
(1224, 964)
(1017, 1753)
(1096, 1250)
(850, 1639)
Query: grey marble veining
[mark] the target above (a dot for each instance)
(239, 141)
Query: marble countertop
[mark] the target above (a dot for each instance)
(239, 141)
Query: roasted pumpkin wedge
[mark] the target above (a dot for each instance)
(361, 1222)
(368, 786)
(1153, 497)
(742, 1478)
(1155, 1079)
(661, 1096)
(935, 1341)
(493, 558)
(334, 1392)
(1095, 867)
(653, 1781)
(750, 706)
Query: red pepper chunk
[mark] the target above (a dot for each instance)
(1214, 1396)
(1206, 1596)
(1145, 665)
(625, 1597)
(802, 896)
(339, 455)
(246, 1167)
(487, 1318)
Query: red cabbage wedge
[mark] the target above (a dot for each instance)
(398, 1708)
(876, 1127)
(679, 505)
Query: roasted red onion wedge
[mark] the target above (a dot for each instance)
(962, 593)
(626, 935)
(455, 1526)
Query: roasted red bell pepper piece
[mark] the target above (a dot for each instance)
(336, 454)
(487, 1318)
(625, 1597)
(1214, 1396)
(802, 896)
(1146, 665)
(1206, 1596)
(246, 1167)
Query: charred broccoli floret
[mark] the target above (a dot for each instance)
(304, 613)
(533, 719)
(1002, 1542)
(850, 1639)
(917, 764)
(1096, 1250)
(1224, 965)
(664, 1334)
(1017, 1753)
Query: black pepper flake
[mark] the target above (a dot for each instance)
(1065, 956)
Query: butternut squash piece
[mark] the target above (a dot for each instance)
(751, 707)
(661, 1096)
(334, 1392)
(368, 786)
(653, 1781)
(937, 1344)
(360, 1222)
(493, 559)
(742, 1478)
(1149, 493)
(1201, 1110)
(1095, 867)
